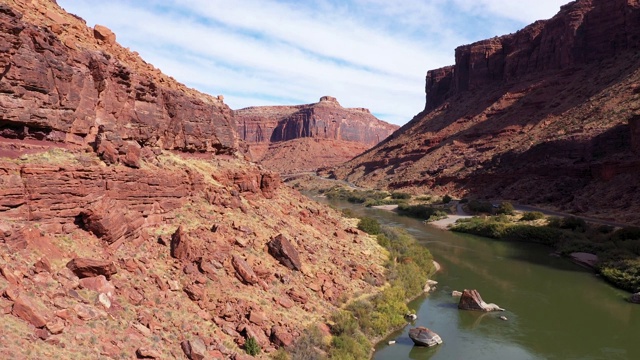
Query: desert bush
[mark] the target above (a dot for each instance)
(383, 241)
(529, 233)
(572, 223)
(369, 225)
(505, 208)
(420, 211)
(477, 207)
(625, 274)
(532, 215)
(400, 196)
(251, 346)
(348, 213)
(307, 346)
(446, 199)
(426, 198)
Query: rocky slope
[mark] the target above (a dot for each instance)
(547, 115)
(131, 224)
(305, 137)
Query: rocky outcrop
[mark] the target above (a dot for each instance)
(471, 300)
(281, 248)
(83, 267)
(61, 82)
(544, 116)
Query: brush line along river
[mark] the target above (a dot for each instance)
(555, 309)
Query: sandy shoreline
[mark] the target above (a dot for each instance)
(443, 224)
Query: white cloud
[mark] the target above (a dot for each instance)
(367, 53)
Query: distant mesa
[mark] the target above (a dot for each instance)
(284, 137)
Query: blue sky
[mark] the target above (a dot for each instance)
(367, 53)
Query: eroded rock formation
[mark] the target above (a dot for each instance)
(61, 82)
(295, 138)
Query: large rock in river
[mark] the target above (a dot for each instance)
(424, 337)
(471, 300)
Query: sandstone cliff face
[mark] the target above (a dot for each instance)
(545, 116)
(61, 81)
(298, 138)
(325, 119)
(582, 32)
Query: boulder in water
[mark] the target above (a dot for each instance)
(471, 300)
(635, 298)
(424, 337)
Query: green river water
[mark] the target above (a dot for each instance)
(555, 309)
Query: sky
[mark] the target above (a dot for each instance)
(367, 53)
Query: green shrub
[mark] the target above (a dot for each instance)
(537, 234)
(572, 223)
(625, 274)
(426, 198)
(446, 199)
(251, 346)
(420, 211)
(400, 196)
(505, 208)
(477, 207)
(532, 215)
(369, 225)
(383, 241)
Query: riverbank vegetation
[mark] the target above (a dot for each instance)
(371, 198)
(358, 325)
(618, 251)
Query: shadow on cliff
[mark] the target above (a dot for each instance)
(556, 172)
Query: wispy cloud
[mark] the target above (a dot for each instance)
(367, 53)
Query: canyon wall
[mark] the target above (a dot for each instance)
(582, 32)
(547, 116)
(62, 82)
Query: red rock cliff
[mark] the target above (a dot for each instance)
(547, 116)
(61, 81)
(325, 119)
(583, 31)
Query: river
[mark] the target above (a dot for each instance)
(555, 309)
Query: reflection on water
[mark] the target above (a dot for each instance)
(555, 309)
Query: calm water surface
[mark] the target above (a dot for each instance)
(555, 309)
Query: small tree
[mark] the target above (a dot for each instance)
(251, 346)
(446, 199)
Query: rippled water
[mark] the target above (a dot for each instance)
(555, 309)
